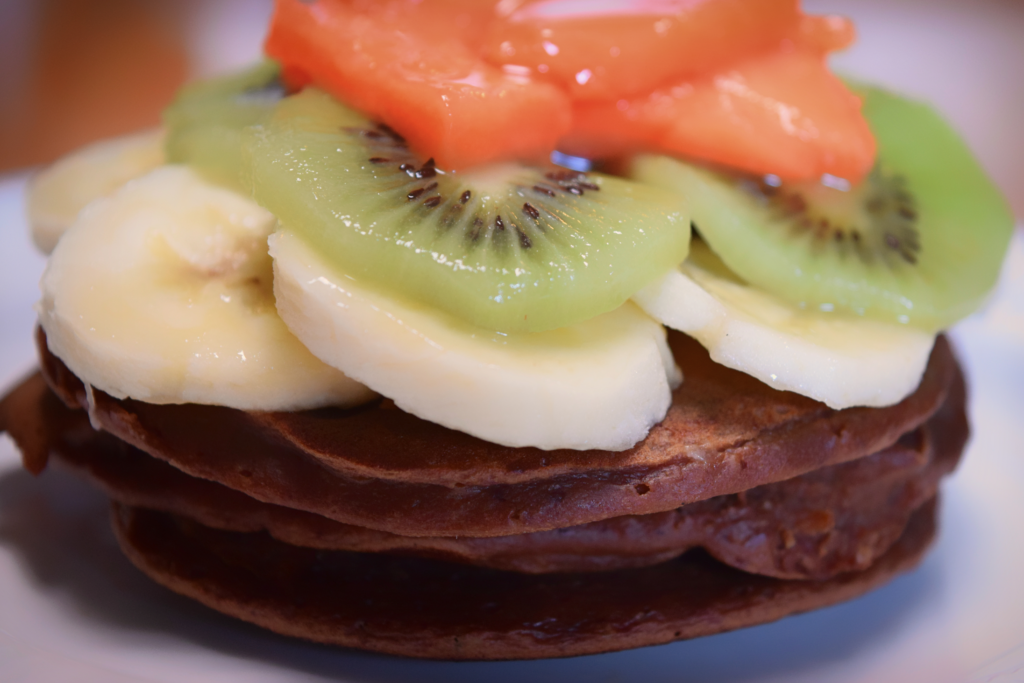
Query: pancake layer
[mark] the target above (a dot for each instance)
(449, 547)
(836, 519)
(725, 433)
(439, 610)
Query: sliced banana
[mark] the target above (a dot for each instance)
(57, 194)
(163, 292)
(601, 384)
(841, 361)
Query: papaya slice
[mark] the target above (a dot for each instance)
(414, 68)
(615, 48)
(825, 33)
(783, 113)
(422, 68)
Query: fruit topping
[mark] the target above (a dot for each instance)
(919, 242)
(409, 65)
(785, 114)
(162, 292)
(841, 360)
(205, 122)
(599, 384)
(57, 195)
(507, 247)
(608, 50)
(741, 83)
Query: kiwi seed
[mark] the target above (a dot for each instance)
(507, 247)
(388, 150)
(876, 219)
(918, 242)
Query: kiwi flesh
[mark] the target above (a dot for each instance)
(919, 242)
(511, 248)
(205, 121)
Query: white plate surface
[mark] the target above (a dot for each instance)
(72, 609)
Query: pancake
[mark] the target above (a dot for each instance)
(259, 516)
(725, 433)
(439, 610)
(835, 519)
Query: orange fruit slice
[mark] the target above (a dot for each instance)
(741, 83)
(615, 48)
(784, 113)
(411, 66)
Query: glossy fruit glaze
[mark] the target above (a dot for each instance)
(741, 83)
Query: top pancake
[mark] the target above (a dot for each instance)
(380, 468)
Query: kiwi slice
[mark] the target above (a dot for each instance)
(205, 121)
(919, 241)
(510, 247)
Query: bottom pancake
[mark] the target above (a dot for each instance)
(430, 609)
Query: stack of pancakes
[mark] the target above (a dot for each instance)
(374, 529)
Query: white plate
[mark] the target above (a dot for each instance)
(71, 608)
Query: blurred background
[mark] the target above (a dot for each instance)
(73, 71)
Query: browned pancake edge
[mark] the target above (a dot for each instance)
(839, 518)
(251, 452)
(437, 610)
(836, 519)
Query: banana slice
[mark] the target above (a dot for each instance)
(163, 292)
(599, 384)
(841, 361)
(57, 195)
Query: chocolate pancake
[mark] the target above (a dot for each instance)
(813, 515)
(380, 468)
(836, 519)
(424, 608)
(839, 518)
